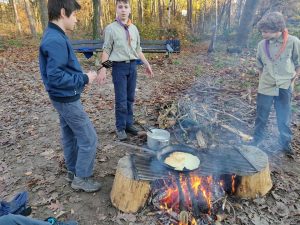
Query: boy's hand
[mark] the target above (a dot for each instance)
(91, 75)
(101, 76)
(149, 71)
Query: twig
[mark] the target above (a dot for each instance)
(228, 114)
(229, 203)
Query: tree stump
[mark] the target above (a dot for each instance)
(257, 184)
(127, 194)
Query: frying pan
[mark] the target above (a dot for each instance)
(164, 152)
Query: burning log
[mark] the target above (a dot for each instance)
(127, 194)
(257, 184)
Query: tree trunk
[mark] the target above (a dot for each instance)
(160, 13)
(203, 16)
(226, 26)
(240, 5)
(246, 22)
(43, 13)
(221, 14)
(211, 47)
(257, 184)
(189, 13)
(141, 11)
(17, 16)
(101, 17)
(169, 12)
(127, 194)
(96, 19)
(30, 18)
(153, 8)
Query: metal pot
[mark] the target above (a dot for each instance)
(157, 138)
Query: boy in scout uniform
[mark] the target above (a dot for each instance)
(278, 61)
(122, 47)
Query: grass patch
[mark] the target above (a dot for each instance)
(176, 62)
(14, 43)
(198, 71)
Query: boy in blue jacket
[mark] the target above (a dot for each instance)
(64, 81)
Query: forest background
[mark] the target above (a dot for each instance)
(188, 20)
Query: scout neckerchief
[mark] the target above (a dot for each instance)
(285, 35)
(126, 27)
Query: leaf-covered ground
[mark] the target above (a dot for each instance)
(31, 155)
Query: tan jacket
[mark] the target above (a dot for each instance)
(277, 73)
(116, 44)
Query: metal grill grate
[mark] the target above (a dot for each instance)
(215, 162)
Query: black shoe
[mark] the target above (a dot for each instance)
(132, 130)
(121, 135)
(70, 176)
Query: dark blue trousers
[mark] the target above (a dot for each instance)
(282, 105)
(124, 80)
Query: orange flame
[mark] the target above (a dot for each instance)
(194, 188)
(233, 183)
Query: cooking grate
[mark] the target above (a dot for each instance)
(214, 162)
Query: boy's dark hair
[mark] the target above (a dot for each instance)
(55, 6)
(124, 1)
(274, 22)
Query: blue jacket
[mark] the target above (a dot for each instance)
(61, 72)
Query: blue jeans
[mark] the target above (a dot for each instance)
(12, 219)
(79, 138)
(282, 105)
(124, 79)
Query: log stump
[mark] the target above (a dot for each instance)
(127, 194)
(257, 184)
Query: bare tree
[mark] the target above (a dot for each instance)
(96, 19)
(141, 11)
(160, 13)
(169, 11)
(211, 47)
(30, 18)
(13, 2)
(240, 6)
(246, 22)
(189, 13)
(43, 13)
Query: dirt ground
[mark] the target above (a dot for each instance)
(31, 155)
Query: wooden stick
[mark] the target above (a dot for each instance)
(229, 115)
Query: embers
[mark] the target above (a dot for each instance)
(189, 198)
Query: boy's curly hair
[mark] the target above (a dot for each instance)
(274, 22)
(124, 1)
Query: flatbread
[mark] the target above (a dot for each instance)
(181, 160)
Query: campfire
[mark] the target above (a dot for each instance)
(189, 197)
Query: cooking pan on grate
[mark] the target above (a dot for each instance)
(166, 151)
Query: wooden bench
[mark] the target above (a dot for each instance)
(88, 47)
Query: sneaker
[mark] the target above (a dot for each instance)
(53, 221)
(86, 184)
(70, 176)
(121, 135)
(132, 130)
